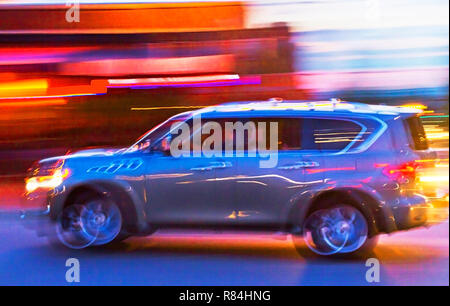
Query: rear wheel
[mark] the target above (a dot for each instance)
(91, 220)
(338, 231)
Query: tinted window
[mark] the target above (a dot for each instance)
(288, 132)
(151, 138)
(418, 139)
(290, 136)
(334, 135)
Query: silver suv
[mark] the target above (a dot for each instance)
(342, 174)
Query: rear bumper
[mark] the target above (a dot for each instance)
(417, 211)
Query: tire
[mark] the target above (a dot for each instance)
(91, 220)
(337, 231)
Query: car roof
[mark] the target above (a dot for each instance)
(274, 106)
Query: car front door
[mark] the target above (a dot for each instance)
(189, 189)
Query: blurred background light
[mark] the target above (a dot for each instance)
(70, 85)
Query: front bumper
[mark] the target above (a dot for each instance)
(37, 220)
(36, 200)
(35, 213)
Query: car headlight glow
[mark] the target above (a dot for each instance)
(48, 182)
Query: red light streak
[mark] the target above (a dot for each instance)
(312, 171)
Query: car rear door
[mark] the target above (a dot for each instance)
(263, 194)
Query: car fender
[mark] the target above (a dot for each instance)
(106, 187)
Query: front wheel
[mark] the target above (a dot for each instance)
(91, 220)
(339, 231)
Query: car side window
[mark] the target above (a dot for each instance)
(204, 136)
(333, 135)
(289, 131)
(294, 134)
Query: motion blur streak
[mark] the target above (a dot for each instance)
(23, 87)
(40, 102)
(167, 107)
(123, 18)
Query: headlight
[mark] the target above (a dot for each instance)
(48, 182)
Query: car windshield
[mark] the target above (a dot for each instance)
(150, 138)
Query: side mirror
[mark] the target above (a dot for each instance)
(164, 145)
(144, 146)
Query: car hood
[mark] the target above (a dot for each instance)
(91, 152)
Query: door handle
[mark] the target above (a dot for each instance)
(310, 164)
(212, 166)
(206, 168)
(299, 165)
(290, 167)
(222, 165)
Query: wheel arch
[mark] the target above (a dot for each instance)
(379, 217)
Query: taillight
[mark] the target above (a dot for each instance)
(403, 174)
(407, 172)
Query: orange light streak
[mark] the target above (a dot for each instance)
(37, 102)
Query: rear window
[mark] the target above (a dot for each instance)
(417, 136)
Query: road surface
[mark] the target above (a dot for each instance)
(417, 257)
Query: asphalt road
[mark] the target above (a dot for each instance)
(417, 257)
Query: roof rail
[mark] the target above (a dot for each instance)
(335, 105)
